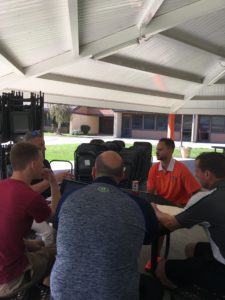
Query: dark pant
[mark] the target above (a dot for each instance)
(150, 288)
(202, 270)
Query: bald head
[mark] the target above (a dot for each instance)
(109, 163)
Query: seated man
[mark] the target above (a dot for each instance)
(170, 180)
(100, 234)
(43, 230)
(24, 262)
(205, 263)
(41, 185)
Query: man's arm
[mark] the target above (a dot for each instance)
(40, 187)
(55, 192)
(168, 221)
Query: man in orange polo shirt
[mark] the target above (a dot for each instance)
(169, 178)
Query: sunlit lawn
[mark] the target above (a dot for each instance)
(66, 152)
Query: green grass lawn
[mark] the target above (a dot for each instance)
(66, 152)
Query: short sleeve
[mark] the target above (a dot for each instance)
(192, 215)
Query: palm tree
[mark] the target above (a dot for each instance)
(59, 113)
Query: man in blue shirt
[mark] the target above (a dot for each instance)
(100, 234)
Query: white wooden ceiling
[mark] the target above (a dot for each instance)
(142, 55)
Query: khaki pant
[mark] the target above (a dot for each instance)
(40, 265)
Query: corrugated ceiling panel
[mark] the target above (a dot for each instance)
(34, 30)
(167, 52)
(215, 90)
(100, 18)
(210, 28)
(170, 5)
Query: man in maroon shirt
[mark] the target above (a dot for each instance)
(24, 262)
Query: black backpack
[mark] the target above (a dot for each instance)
(84, 160)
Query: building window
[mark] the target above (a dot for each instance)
(187, 127)
(177, 125)
(204, 128)
(149, 122)
(137, 122)
(161, 122)
(217, 124)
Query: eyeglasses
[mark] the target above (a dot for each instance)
(36, 133)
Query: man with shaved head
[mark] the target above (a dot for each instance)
(101, 231)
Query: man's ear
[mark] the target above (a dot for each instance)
(207, 173)
(31, 164)
(93, 172)
(209, 176)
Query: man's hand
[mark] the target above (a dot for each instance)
(168, 221)
(48, 175)
(33, 245)
(63, 175)
(154, 206)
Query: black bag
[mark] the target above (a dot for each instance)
(120, 144)
(112, 146)
(131, 159)
(84, 160)
(146, 159)
(97, 142)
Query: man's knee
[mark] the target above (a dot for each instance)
(190, 249)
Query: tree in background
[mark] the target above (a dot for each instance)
(59, 114)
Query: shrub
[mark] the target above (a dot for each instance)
(85, 129)
(77, 132)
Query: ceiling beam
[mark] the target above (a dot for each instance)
(9, 78)
(212, 98)
(144, 66)
(158, 24)
(100, 103)
(49, 64)
(149, 9)
(109, 86)
(115, 49)
(111, 42)
(9, 61)
(184, 14)
(74, 24)
(202, 110)
(214, 74)
(192, 41)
